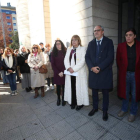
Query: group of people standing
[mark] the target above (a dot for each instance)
(67, 68)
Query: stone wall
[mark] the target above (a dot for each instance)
(105, 13)
(23, 23)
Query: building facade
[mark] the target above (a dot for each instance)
(46, 20)
(9, 15)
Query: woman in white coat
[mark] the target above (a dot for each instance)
(76, 88)
(35, 61)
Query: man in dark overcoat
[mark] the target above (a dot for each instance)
(99, 58)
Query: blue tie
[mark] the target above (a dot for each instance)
(97, 50)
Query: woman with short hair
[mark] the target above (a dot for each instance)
(35, 61)
(76, 88)
(22, 60)
(9, 64)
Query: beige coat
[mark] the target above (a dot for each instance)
(37, 79)
(47, 62)
(81, 79)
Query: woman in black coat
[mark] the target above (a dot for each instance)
(24, 69)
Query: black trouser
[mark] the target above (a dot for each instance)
(95, 97)
(59, 87)
(49, 81)
(73, 92)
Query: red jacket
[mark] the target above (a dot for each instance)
(122, 63)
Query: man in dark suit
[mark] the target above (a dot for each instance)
(99, 58)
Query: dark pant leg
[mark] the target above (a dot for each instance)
(48, 81)
(58, 91)
(52, 81)
(134, 103)
(73, 93)
(14, 81)
(10, 81)
(95, 98)
(105, 93)
(17, 73)
(62, 92)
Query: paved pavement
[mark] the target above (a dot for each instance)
(24, 118)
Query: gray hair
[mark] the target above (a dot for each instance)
(100, 27)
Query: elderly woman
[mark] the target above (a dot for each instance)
(22, 60)
(76, 88)
(9, 64)
(50, 73)
(35, 61)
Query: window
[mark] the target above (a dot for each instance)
(9, 29)
(13, 12)
(8, 23)
(10, 41)
(14, 18)
(8, 17)
(7, 13)
(15, 29)
(14, 24)
(10, 35)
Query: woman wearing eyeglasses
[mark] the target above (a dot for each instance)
(128, 62)
(35, 61)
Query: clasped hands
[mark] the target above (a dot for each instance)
(10, 71)
(95, 69)
(36, 68)
(70, 70)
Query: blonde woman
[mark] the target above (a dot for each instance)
(35, 61)
(50, 73)
(76, 88)
(9, 64)
(22, 60)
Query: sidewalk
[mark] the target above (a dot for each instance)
(24, 118)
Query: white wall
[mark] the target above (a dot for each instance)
(36, 21)
(69, 17)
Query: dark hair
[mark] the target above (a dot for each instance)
(40, 43)
(132, 30)
(55, 50)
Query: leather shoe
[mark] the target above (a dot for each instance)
(63, 103)
(92, 112)
(79, 107)
(58, 102)
(105, 115)
(72, 106)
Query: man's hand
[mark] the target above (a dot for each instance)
(10, 71)
(70, 70)
(95, 69)
(26, 61)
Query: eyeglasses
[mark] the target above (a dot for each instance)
(97, 30)
(129, 35)
(35, 47)
(58, 43)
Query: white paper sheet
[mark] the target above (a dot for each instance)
(72, 74)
